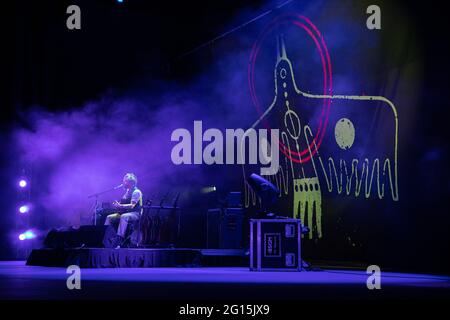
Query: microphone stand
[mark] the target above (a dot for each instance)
(159, 217)
(178, 218)
(95, 206)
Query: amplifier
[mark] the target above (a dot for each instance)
(224, 228)
(275, 244)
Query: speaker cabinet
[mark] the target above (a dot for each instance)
(86, 236)
(224, 228)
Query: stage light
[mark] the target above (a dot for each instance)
(24, 209)
(267, 192)
(119, 1)
(209, 189)
(27, 235)
(23, 183)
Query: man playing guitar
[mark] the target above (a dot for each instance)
(129, 207)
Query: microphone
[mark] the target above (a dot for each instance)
(109, 190)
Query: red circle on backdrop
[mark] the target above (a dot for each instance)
(305, 24)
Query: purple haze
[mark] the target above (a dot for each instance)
(89, 149)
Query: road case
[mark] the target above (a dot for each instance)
(275, 244)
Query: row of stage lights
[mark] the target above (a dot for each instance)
(24, 208)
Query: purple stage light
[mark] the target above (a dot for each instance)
(23, 183)
(24, 209)
(27, 235)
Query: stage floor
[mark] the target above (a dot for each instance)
(18, 281)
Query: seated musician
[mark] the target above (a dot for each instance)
(129, 208)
